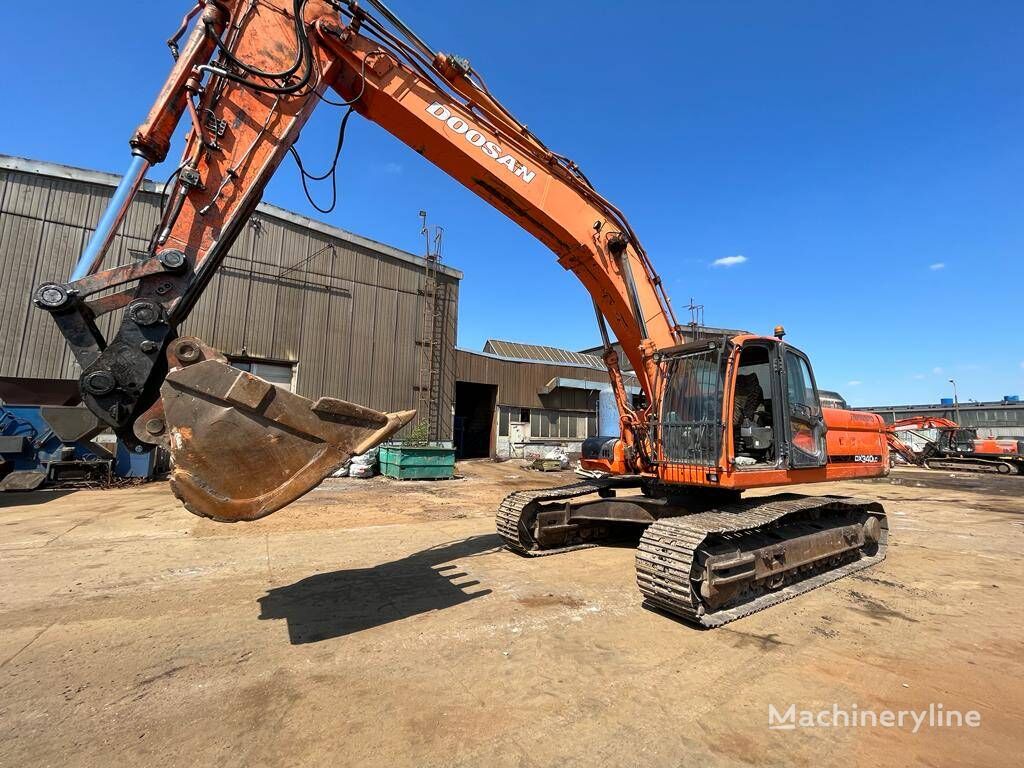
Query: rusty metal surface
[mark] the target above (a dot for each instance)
(243, 448)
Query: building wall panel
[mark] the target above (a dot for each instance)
(27, 195)
(344, 309)
(292, 284)
(519, 384)
(21, 239)
(405, 357)
(43, 352)
(382, 363)
(361, 339)
(261, 287)
(337, 341)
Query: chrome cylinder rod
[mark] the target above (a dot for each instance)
(605, 341)
(92, 256)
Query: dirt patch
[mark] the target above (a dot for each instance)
(544, 601)
(378, 623)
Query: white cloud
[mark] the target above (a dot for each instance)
(854, 383)
(937, 371)
(728, 261)
(919, 376)
(937, 266)
(392, 169)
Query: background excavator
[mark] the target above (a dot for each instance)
(717, 417)
(946, 445)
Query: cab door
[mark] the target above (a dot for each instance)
(804, 422)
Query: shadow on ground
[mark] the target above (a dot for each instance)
(340, 603)
(30, 498)
(982, 482)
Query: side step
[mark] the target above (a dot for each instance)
(714, 567)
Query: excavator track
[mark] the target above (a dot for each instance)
(672, 561)
(517, 511)
(973, 465)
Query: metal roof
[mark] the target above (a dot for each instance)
(968, 406)
(831, 394)
(591, 386)
(538, 353)
(58, 171)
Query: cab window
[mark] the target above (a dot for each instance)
(800, 386)
(804, 409)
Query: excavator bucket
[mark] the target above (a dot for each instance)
(242, 447)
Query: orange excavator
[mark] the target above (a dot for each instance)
(946, 445)
(717, 417)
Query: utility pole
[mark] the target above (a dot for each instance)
(956, 402)
(696, 319)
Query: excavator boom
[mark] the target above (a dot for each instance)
(248, 74)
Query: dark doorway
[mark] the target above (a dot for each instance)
(474, 419)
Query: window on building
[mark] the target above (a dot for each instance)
(503, 422)
(524, 414)
(279, 374)
(564, 425)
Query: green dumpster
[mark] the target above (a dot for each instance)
(417, 462)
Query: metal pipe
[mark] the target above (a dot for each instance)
(956, 401)
(634, 297)
(92, 256)
(605, 341)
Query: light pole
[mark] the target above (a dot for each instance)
(956, 402)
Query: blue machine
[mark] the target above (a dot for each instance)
(49, 443)
(139, 465)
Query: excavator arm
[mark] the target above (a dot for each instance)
(248, 74)
(911, 424)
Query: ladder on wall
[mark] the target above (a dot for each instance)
(433, 300)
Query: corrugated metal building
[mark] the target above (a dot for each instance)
(522, 400)
(308, 305)
(1004, 418)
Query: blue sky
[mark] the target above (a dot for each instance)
(864, 159)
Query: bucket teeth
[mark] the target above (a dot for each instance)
(243, 448)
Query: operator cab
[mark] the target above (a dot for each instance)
(777, 419)
(754, 396)
(753, 414)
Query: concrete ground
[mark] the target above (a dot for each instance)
(377, 623)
